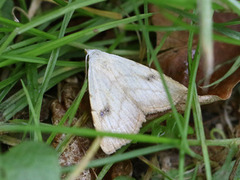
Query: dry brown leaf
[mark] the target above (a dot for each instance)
(174, 61)
(77, 147)
(123, 168)
(176, 39)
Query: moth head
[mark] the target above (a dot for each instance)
(92, 52)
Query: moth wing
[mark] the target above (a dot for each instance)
(122, 92)
(144, 86)
(112, 109)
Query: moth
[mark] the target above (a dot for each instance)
(122, 93)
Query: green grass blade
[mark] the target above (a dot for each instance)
(234, 67)
(37, 134)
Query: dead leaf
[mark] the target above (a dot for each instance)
(76, 148)
(174, 61)
(177, 39)
(123, 168)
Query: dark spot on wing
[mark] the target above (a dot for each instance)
(105, 111)
(151, 77)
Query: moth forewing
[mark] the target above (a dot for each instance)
(122, 92)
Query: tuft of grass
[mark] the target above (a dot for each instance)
(37, 54)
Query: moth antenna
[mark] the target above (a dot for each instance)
(86, 65)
